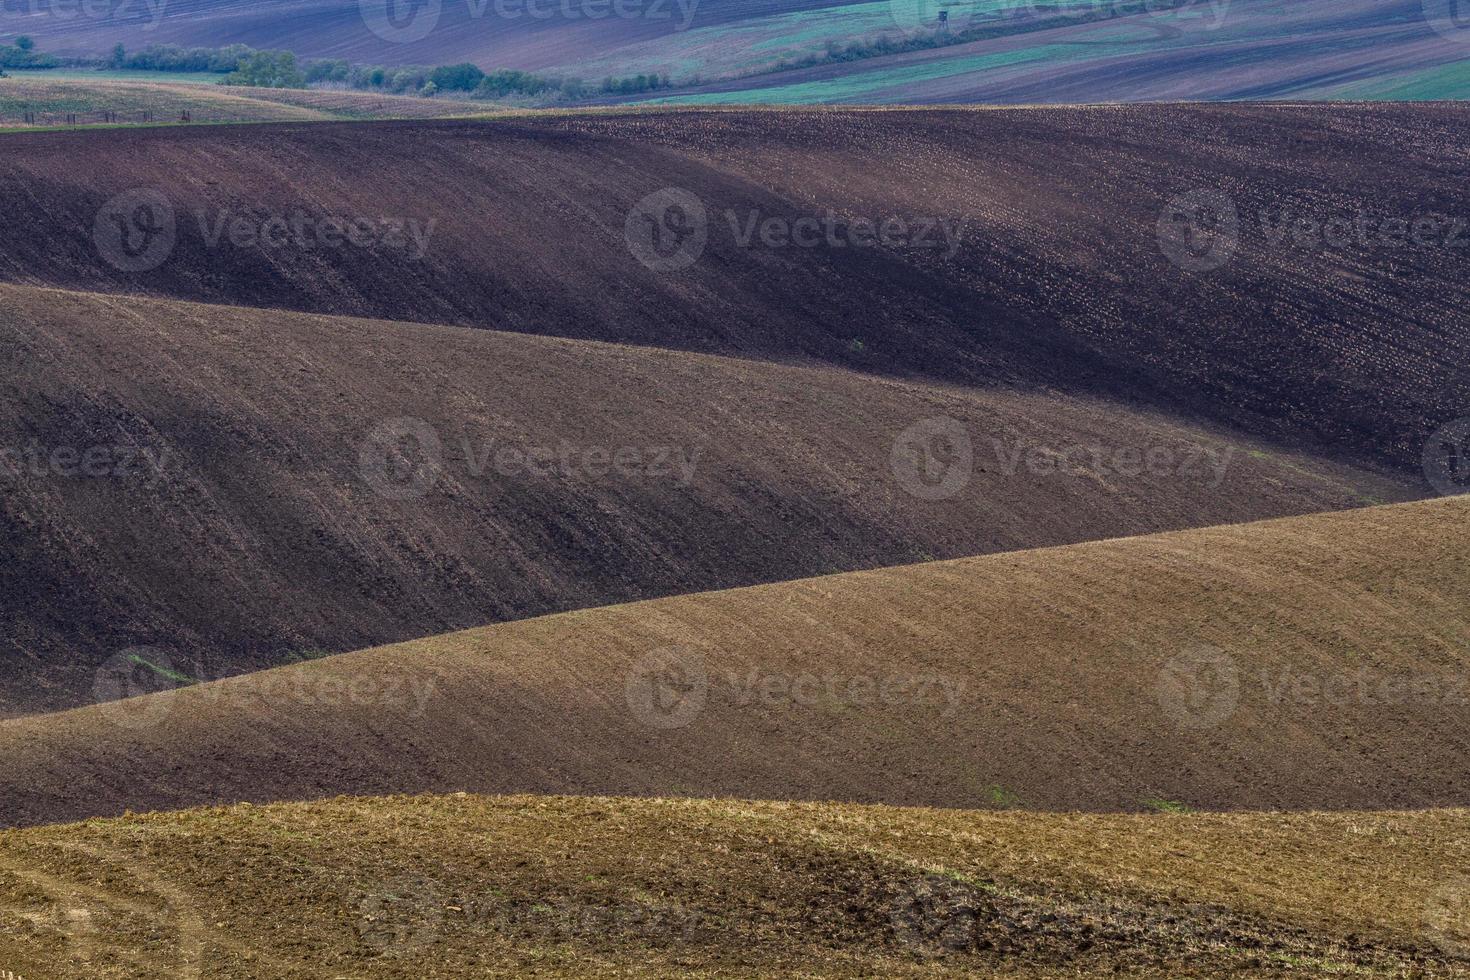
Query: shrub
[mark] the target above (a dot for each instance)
(267, 69)
(456, 78)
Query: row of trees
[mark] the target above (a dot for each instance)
(173, 57)
(23, 54)
(471, 80)
(242, 65)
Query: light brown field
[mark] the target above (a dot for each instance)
(1197, 668)
(84, 102)
(465, 886)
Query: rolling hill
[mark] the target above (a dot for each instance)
(82, 102)
(233, 484)
(1308, 663)
(476, 886)
(1061, 248)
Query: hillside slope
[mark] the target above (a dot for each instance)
(82, 101)
(234, 485)
(1040, 247)
(1314, 662)
(473, 887)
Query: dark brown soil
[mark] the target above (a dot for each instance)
(1059, 281)
(261, 537)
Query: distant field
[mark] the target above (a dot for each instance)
(108, 75)
(471, 886)
(55, 101)
(1449, 81)
(1013, 52)
(1248, 49)
(60, 102)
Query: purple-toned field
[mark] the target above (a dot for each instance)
(718, 51)
(527, 34)
(1249, 49)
